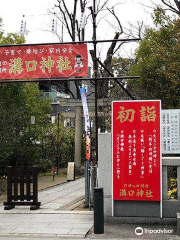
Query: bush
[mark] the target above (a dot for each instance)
(172, 192)
(45, 165)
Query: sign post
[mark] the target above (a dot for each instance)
(71, 171)
(136, 150)
(171, 131)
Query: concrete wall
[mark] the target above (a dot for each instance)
(105, 170)
(124, 209)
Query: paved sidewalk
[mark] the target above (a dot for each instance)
(53, 219)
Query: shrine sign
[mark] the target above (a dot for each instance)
(136, 150)
(43, 61)
(171, 131)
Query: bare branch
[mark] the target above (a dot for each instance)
(177, 4)
(173, 9)
(135, 30)
(78, 30)
(66, 9)
(75, 10)
(110, 51)
(99, 8)
(119, 23)
(101, 18)
(68, 90)
(112, 25)
(118, 47)
(64, 17)
(82, 6)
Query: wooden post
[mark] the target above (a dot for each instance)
(35, 190)
(15, 184)
(9, 189)
(21, 173)
(28, 184)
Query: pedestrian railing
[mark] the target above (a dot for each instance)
(22, 188)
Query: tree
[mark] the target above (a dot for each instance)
(120, 67)
(33, 136)
(68, 17)
(173, 5)
(18, 138)
(18, 102)
(157, 62)
(11, 38)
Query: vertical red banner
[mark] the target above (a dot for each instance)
(136, 150)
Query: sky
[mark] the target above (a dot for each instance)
(39, 19)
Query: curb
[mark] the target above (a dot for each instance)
(59, 184)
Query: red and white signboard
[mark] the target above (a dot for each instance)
(43, 61)
(136, 150)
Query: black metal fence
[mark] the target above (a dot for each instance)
(22, 188)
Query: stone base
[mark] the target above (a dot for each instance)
(141, 220)
(170, 208)
(137, 209)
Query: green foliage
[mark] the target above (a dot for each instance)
(157, 62)
(66, 143)
(18, 102)
(1, 31)
(172, 192)
(45, 164)
(21, 142)
(18, 138)
(12, 99)
(159, 17)
(11, 38)
(172, 182)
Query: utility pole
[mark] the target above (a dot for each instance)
(94, 13)
(96, 83)
(82, 12)
(95, 67)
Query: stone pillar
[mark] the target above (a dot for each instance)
(105, 170)
(86, 185)
(78, 137)
(164, 183)
(178, 181)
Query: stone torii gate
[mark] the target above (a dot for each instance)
(78, 115)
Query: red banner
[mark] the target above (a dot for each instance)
(43, 61)
(136, 150)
